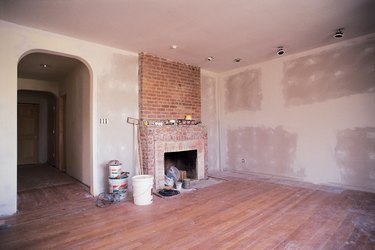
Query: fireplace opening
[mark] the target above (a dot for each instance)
(182, 160)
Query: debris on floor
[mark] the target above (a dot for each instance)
(3, 225)
(105, 199)
(168, 192)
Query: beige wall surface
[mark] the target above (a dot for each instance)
(309, 116)
(38, 85)
(113, 95)
(118, 100)
(210, 118)
(76, 88)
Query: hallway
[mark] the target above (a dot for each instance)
(41, 185)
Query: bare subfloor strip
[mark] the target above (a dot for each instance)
(240, 213)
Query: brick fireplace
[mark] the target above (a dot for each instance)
(156, 141)
(169, 91)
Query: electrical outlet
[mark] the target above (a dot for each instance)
(103, 121)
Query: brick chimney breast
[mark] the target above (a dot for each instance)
(167, 91)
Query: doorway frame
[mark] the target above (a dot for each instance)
(92, 137)
(61, 142)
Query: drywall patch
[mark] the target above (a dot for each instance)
(355, 156)
(243, 91)
(331, 74)
(262, 150)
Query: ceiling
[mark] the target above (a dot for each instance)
(46, 67)
(247, 29)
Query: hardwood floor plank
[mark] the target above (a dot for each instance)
(358, 228)
(238, 213)
(250, 213)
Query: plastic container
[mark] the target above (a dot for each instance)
(114, 171)
(142, 189)
(186, 183)
(178, 185)
(118, 185)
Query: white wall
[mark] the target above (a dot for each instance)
(38, 85)
(76, 88)
(210, 117)
(309, 116)
(114, 95)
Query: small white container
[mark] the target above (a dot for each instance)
(178, 185)
(186, 183)
(114, 171)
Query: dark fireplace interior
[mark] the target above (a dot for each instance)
(182, 160)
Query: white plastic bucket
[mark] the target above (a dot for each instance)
(114, 171)
(178, 185)
(142, 189)
(118, 185)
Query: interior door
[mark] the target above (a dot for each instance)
(28, 133)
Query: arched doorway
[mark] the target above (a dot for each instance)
(60, 85)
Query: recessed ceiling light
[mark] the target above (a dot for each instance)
(45, 66)
(280, 51)
(339, 33)
(173, 46)
(210, 58)
(237, 60)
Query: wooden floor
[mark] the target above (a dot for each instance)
(240, 213)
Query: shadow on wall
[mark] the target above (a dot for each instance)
(355, 156)
(262, 149)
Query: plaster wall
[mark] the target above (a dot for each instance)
(113, 93)
(118, 100)
(308, 116)
(210, 117)
(76, 88)
(38, 85)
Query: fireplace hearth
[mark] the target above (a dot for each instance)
(158, 141)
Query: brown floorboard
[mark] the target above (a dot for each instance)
(239, 213)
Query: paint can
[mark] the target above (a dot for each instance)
(118, 186)
(142, 189)
(114, 171)
(186, 183)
